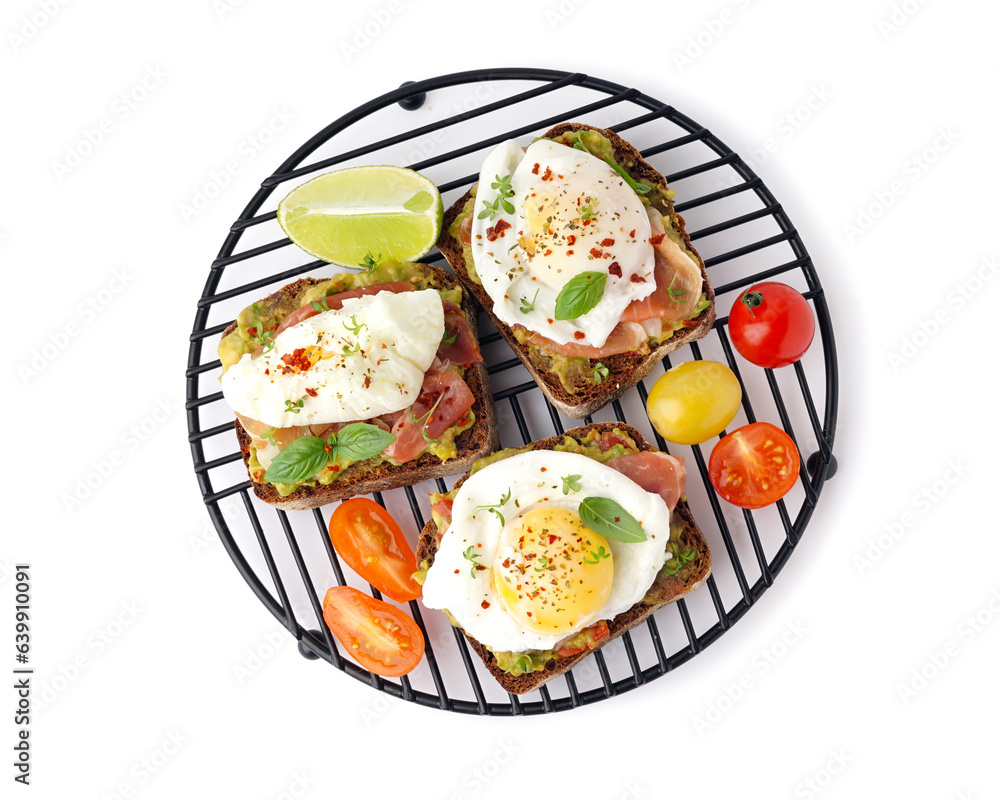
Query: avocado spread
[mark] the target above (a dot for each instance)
(268, 313)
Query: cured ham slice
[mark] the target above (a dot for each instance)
(625, 337)
(444, 400)
(655, 472)
(677, 276)
(458, 346)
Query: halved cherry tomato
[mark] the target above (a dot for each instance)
(380, 637)
(370, 541)
(771, 325)
(754, 465)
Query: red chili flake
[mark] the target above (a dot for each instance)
(480, 566)
(311, 392)
(579, 334)
(497, 230)
(615, 269)
(456, 572)
(296, 361)
(547, 175)
(569, 252)
(336, 467)
(534, 169)
(385, 346)
(631, 233)
(607, 242)
(506, 563)
(252, 331)
(552, 538)
(596, 253)
(528, 613)
(550, 320)
(367, 382)
(267, 371)
(618, 519)
(636, 278)
(485, 604)
(656, 239)
(548, 252)
(571, 239)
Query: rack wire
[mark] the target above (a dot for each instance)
(744, 236)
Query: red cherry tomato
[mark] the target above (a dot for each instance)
(771, 325)
(380, 637)
(754, 465)
(367, 537)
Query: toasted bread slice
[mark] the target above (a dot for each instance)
(667, 588)
(364, 478)
(626, 369)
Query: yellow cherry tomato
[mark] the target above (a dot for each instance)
(694, 401)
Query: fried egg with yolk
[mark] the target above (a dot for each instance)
(518, 569)
(560, 213)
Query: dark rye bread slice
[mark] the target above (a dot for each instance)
(669, 588)
(478, 441)
(626, 369)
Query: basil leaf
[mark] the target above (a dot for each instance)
(299, 461)
(359, 441)
(604, 516)
(580, 295)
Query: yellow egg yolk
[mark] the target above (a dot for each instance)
(552, 572)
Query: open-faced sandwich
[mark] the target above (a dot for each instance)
(573, 247)
(544, 553)
(358, 383)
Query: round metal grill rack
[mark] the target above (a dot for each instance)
(742, 233)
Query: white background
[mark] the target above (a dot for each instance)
(141, 624)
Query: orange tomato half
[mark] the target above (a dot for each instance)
(367, 537)
(379, 636)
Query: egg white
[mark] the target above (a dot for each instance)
(524, 286)
(375, 380)
(535, 480)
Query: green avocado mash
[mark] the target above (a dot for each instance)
(266, 314)
(577, 373)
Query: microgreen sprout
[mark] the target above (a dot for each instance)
(504, 192)
(470, 556)
(494, 509)
(596, 556)
(571, 483)
(354, 327)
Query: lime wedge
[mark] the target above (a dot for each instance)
(343, 216)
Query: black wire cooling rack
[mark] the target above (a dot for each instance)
(744, 236)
